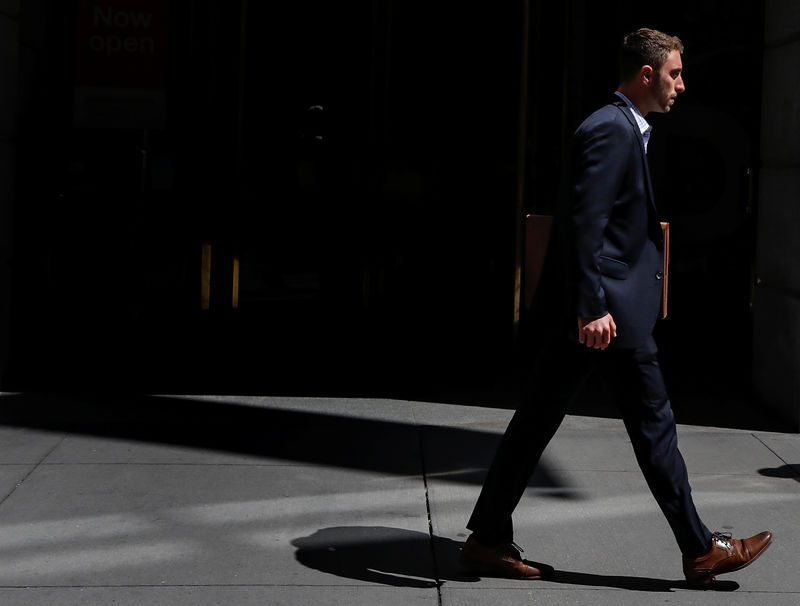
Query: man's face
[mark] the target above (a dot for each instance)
(667, 83)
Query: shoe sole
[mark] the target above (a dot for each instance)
(484, 570)
(707, 580)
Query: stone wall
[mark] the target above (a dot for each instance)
(776, 343)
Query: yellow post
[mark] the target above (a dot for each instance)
(235, 298)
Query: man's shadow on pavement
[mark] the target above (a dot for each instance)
(405, 558)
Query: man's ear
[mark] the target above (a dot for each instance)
(646, 75)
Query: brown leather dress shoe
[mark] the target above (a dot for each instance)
(502, 560)
(726, 555)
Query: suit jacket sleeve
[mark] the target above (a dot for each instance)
(601, 159)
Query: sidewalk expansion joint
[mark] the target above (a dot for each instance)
(794, 466)
(33, 469)
(436, 575)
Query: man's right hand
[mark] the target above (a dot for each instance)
(596, 333)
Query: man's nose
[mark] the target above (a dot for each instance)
(679, 85)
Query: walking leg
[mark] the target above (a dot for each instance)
(557, 380)
(650, 423)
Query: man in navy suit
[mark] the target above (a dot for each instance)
(600, 294)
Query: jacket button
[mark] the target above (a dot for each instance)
(659, 275)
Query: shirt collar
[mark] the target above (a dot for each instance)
(644, 125)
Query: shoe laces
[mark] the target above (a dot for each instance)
(723, 537)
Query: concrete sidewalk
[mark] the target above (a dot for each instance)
(253, 501)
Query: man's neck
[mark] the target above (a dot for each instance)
(635, 97)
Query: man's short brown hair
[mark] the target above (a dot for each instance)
(645, 47)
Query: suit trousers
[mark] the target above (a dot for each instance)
(638, 387)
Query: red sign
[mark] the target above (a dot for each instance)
(122, 43)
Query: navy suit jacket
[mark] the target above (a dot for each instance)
(607, 236)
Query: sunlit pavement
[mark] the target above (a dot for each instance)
(241, 500)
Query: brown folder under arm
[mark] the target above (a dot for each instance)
(665, 229)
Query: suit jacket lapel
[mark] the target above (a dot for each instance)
(623, 107)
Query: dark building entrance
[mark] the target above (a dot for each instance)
(332, 195)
